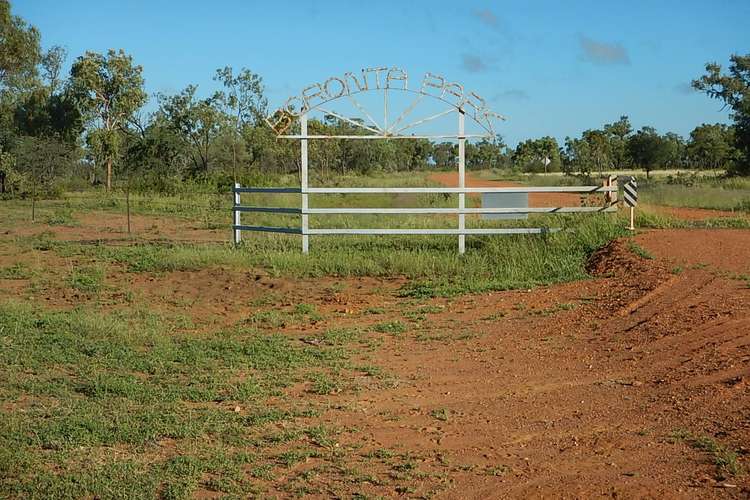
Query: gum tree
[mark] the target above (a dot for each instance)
(243, 100)
(733, 89)
(108, 90)
(19, 48)
(197, 122)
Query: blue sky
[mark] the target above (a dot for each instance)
(555, 68)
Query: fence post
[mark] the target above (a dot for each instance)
(461, 181)
(303, 181)
(236, 215)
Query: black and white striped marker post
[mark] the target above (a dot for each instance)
(630, 194)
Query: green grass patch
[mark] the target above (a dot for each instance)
(17, 271)
(431, 262)
(87, 279)
(639, 250)
(391, 327)
(77, 384)
(716, 193)
(61, 217)
(324, 383)
(725, 459)
(275, 318)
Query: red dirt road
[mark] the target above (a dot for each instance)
(579, 390)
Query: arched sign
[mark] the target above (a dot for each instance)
(318, 96)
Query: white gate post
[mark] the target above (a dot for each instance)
(461, 181)
(303, 181)
(236, 215)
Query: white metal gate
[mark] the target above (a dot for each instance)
(385, 80)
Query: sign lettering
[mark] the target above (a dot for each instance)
(378, 78)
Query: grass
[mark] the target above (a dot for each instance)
(137, 405)
(275, 318)
(17, 271)
(78, 384)
(87, 279)
(730, 194)
(61, 217)
(391, 327)
(639, 250)
(433, 265)
(724, 459)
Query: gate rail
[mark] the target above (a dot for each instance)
(609, 188)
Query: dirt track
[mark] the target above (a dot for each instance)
(584, 401)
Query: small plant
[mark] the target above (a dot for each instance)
(291, 457)
(269, 319)
(43, 241)
(418, 291)
(263, 471)
(61, 218)
(341, 336)
(554, 309)
(726, 460)
(500, 470)
(745, 278)
(309, 311)
(18, 271)
(381, 454)
(302, 313)
(266, 299)
(320, 435)
(430, 309)
(441, 414)
(371, 371)
(323, 384)
(87, 279)
(494, 316)
(392, 327)
(639, 250)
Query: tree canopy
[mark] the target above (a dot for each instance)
(217, 134)
(108, 90)
(733, 89)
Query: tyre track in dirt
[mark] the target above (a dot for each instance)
(581, 402)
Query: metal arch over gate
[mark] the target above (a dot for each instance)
(319, 96)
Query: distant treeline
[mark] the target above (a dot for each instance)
(87, 127)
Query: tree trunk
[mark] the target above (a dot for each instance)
(127, 201)
(234, 160)
(33, 202)
(109, 174)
